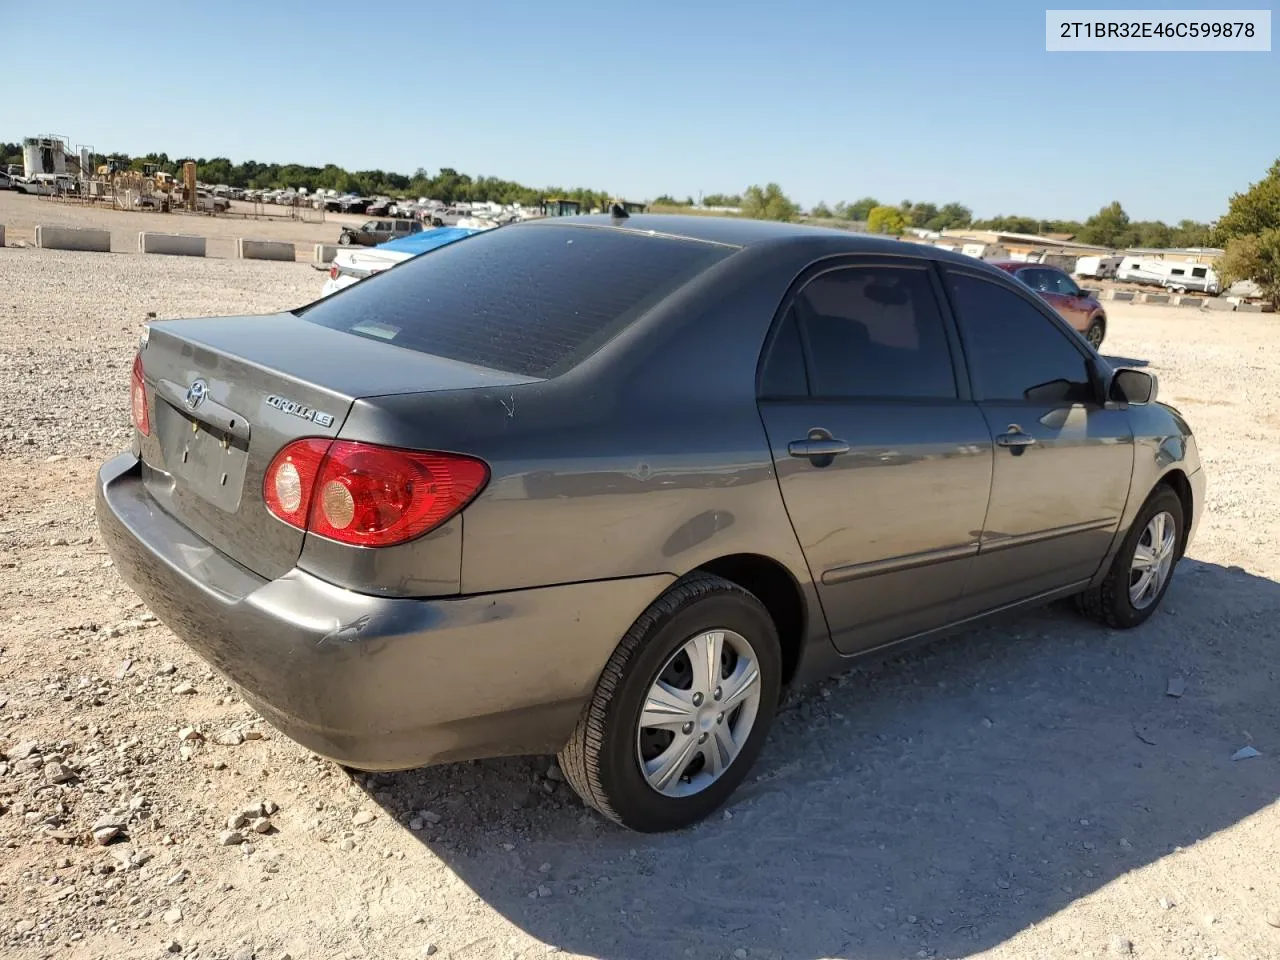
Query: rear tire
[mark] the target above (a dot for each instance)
(1096, 333)
(613, 760)
(1113, 601)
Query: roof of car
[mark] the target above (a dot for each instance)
(737, 231)
(1012, 265)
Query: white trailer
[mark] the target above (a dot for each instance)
(1097, 268)
(1140, 270)
(1193, 278)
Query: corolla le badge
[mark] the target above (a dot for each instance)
(196, 393)
(292, 407)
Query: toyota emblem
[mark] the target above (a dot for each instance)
(196, 393)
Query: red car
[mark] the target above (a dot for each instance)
(1076, 306)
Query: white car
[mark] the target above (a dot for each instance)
(353, 264)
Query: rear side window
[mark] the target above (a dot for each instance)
(876, 332)
(533, 300)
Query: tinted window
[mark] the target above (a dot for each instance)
(784, 374)
(875, 332)
(533, 300)
(1033, 278)
(1198, 272)
(1064, 284)
(1014, 351)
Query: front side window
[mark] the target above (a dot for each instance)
(875, 332)
(1059, 282)
(1015, 352)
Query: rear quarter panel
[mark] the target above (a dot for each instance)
(648, 458)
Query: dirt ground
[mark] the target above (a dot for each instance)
(1029, 790)
(20, 213)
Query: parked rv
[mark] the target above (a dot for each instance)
(1192, 278)
(1140, 270)
(1097, 268)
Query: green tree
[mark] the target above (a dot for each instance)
(1003, 224)
(1250, 233)
(1153, 234)
(722, 200)
(953, 216)
(1109, 227)
(1254, 211)
(1189, 233)
(918, 214)
(768, 203)
(859, 210)
(821, 211)
(1256, 257)
(885, 219)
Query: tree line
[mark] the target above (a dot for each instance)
(447, 185)
(1109, 227)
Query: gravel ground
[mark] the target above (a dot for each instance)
(20, 213)
(1030, 790)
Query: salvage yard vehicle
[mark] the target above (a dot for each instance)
(1078, 307)
(373, 232)
(353, 265)
(608, 486)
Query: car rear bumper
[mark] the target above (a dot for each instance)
(371, 682)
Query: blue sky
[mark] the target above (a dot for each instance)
(833, 100)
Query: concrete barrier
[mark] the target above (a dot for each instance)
(325, 252)
(1153, 298)
(1254, 308)
(171, 244)
(1, 234)
(1186, 301)
(1219, 303)
(265, 250)
(1119, 295)
(73, 238)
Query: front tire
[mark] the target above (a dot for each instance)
(1143, 568)
(681, 710)
(345, 239)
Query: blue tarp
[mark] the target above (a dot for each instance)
(417, 243)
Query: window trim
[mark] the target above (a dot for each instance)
(829, 264)
(1030, 297)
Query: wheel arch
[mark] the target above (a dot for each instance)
(775, 587)
(1176, 480)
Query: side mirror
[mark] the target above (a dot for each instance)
(1133, 387)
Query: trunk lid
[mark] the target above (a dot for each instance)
(227, 394)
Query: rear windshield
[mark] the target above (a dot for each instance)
(532, 300)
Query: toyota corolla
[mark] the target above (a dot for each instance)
(608, 486)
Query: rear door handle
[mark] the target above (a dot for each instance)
(1015, 437)
(819, 447)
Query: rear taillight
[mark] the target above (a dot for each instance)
(333, 272)
(368, 495)
(138, 398)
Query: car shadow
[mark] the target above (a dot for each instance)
(1125, 361)
(932, 805)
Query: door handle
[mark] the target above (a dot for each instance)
(1015, 437)
(819, 447)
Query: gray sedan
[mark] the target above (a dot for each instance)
(609, 486)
